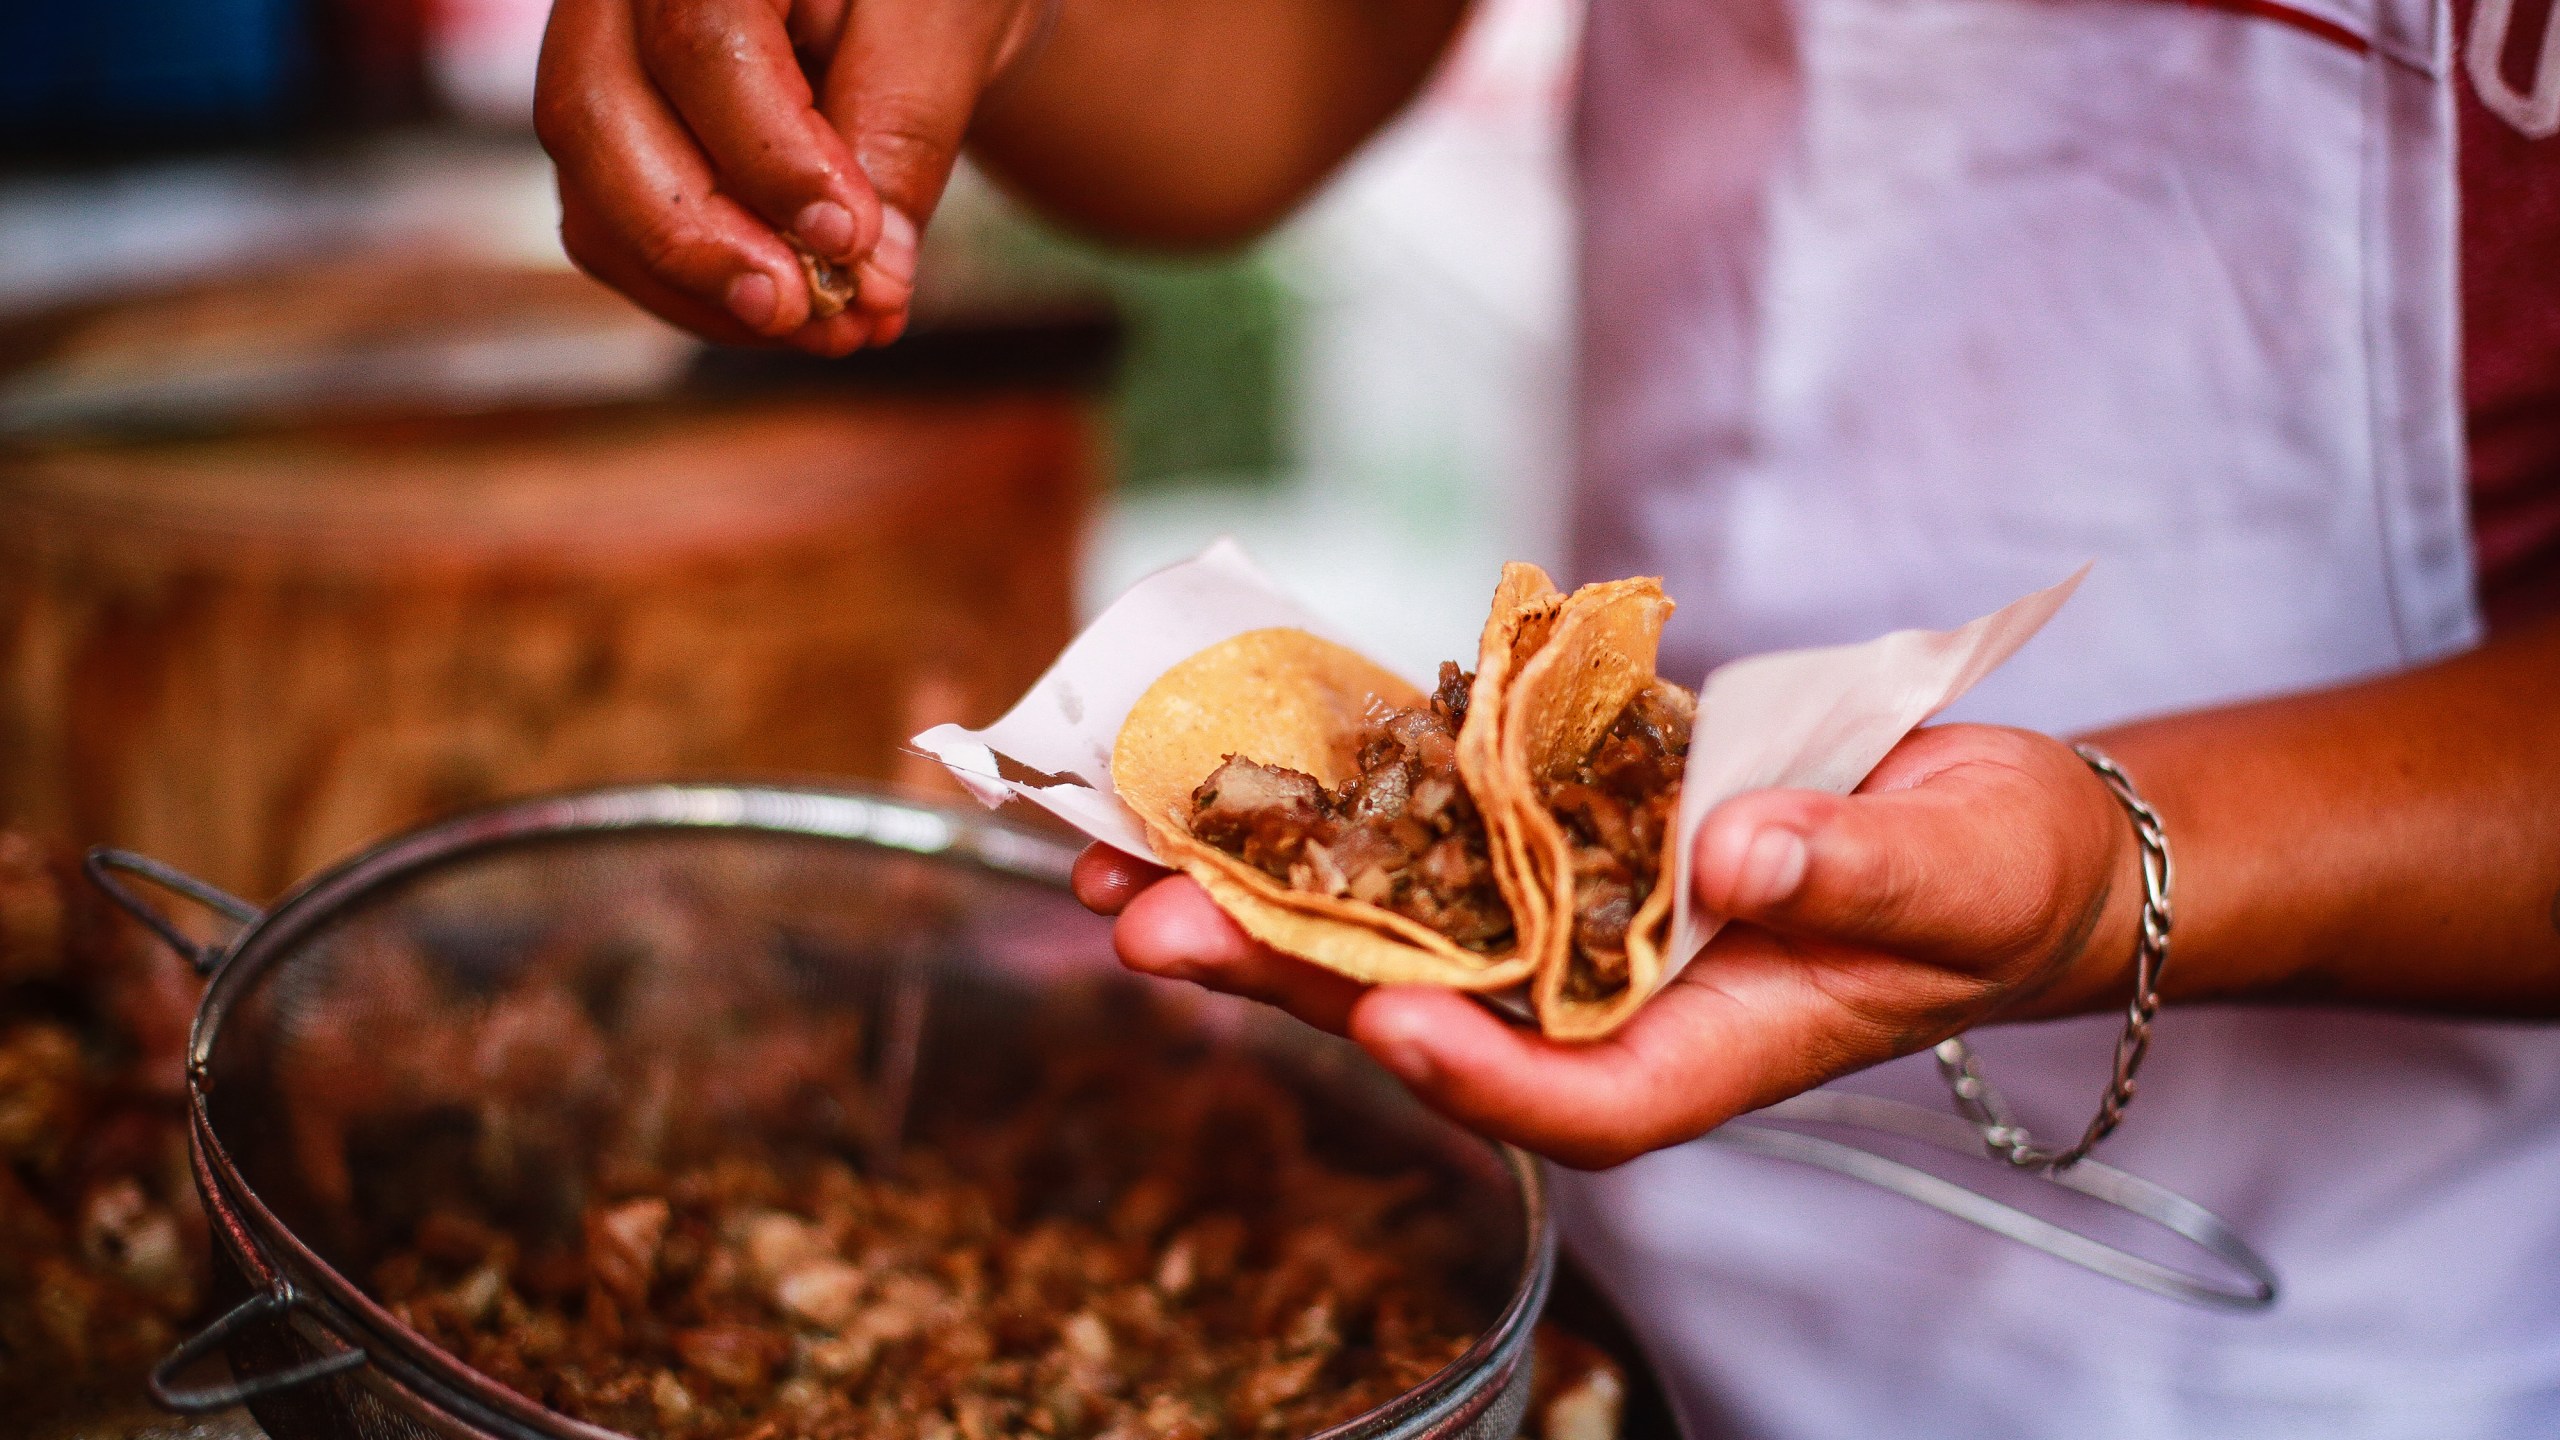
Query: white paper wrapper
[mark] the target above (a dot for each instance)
(1064, 726)
(1799, 719)
(1821, 719)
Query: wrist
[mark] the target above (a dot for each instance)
(2092, 969)
(1980, 1101)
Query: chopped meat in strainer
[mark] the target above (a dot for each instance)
(1178, 1269)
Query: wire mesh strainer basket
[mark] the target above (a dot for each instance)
(513, 999)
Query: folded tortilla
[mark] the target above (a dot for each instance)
(1552, 674)
(1598, 655)
(1284, 697)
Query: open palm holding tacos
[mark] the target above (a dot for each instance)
(1509, 828)
(1523, 830)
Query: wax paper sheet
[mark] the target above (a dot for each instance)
(1802, 719)
(1821, 719)
(1055, 743)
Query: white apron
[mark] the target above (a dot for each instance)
(1895, 309)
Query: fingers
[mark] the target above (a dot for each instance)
(1873, 925)
(1992, 851)
(1173, 930)
(904, 86)
(596, 253)
(1569, 1104)
(1106, 879)
(584, 237)
(642, 192)
(1698, 1054)
(728, 69)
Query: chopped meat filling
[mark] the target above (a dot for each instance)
(1149, 1248)
(1617, 809)
(1400, 833)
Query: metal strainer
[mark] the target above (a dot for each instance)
(396, 1016)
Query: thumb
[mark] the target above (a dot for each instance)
(903, 88)
(1944, 872)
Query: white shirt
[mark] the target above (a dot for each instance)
(1895, 309)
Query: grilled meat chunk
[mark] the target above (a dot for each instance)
(1262, 814)
(1400, 832)
(1149, 1244)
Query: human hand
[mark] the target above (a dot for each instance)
(1978, 874)
(692, 136)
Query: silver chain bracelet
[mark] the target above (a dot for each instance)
(1981, 1102)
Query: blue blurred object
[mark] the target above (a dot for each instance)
(93, 75)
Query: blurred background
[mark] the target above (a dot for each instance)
(335, 499)
(332, 500)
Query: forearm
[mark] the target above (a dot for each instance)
(1172, 123)
(2391, 843)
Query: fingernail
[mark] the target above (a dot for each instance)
(895, 255)
(1772, 868)
(825, 227)
(1408, 1061)
(1159, 969)
(753, 299)
(1152, 954)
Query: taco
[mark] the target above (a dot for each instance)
(1509, 827)
(1311, 791)
(1594, 744)
(1335, 811)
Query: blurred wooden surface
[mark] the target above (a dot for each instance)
(249, 655)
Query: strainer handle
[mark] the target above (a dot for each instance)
(2250, 1285)
(103, 861)
(205, 1399)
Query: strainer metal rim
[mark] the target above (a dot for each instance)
(279, 1263)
